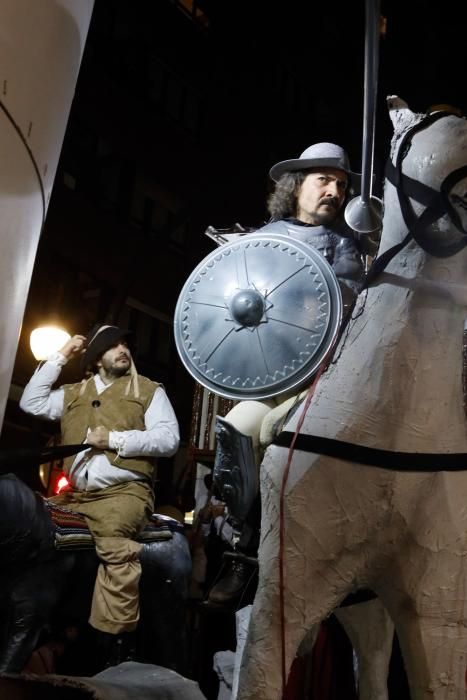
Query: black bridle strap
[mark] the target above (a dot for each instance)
(446, 186)
(427, 218)
(436, 203)
(381, 262)
(371, 456)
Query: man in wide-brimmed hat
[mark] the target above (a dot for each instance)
(307, 203)
(128, 421)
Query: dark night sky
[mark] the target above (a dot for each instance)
(236, 65)
(255, 54)
(422, 59)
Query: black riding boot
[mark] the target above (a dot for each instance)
(234, 585)
(239, 576)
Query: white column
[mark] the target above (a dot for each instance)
(41, 45)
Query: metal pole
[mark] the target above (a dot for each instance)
(370, 91)
(364, 213)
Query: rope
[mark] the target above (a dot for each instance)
(285, 476)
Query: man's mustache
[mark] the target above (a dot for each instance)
(330, 201)
(123, 356)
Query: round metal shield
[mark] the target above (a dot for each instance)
(257, 316)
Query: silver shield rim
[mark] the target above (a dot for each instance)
(223, 301)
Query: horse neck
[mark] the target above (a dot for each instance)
(422, 296)
(397, 380)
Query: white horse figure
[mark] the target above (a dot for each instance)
(396, 384)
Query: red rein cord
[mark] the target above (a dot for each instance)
(285, 477)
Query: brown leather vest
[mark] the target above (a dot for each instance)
(114, 409)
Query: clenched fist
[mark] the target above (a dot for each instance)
(99, 437)
(74, 346)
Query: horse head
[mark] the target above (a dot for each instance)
(426, 179)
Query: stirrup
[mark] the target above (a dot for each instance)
(235, 473)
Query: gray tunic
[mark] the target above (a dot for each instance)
(336, 245)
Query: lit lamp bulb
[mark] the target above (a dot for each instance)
(46, 340)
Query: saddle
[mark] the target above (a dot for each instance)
(72, 532)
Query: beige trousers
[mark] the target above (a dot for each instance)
(115, 515)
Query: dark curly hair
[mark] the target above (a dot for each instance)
(282, 202)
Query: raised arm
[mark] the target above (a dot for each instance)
(38, 398)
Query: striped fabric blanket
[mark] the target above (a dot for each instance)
(71, 531)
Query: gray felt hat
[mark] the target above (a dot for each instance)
(319, 155)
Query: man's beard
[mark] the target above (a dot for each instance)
(325, 217)
(115, 371)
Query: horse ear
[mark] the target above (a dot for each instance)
(399, 112)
